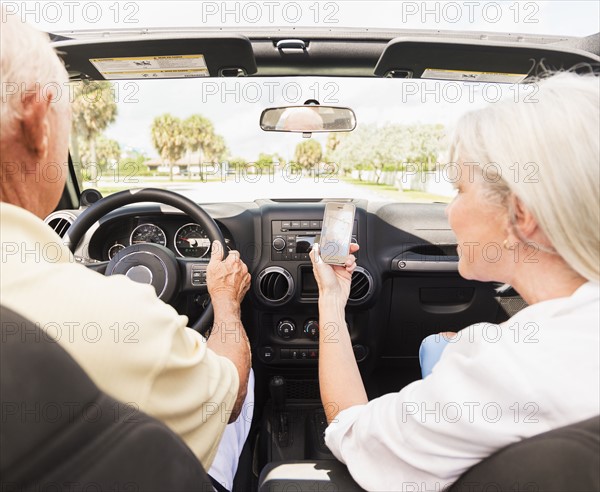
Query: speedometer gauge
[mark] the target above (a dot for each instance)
(191, 241)
(114, 249)
(148, 233)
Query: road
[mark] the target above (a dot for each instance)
(236, 189)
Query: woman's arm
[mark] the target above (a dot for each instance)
(339, 378)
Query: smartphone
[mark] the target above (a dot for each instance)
(336, 234)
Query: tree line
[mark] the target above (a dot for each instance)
(370, 147)
(173, 137)
(378, 148)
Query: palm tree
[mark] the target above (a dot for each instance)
(199, 132)
(308, 155)
(168, 139)
(107, 151)
(93, 108)
(215, 149)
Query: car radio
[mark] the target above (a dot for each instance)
(292, 240)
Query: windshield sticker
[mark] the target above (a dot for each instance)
(467, 76)
(155, 67)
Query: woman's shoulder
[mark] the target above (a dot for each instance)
(551, 325)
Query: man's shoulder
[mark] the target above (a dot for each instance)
(26, 239)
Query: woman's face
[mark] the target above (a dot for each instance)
(481, 228)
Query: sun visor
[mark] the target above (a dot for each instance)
(154, 57)
(478, 61)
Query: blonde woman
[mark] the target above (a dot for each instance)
(529, 181)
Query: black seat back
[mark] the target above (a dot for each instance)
(564, 459)
(59, 431)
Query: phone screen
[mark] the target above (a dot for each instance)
(337, 232)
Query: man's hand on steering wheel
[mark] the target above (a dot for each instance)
(227, 280)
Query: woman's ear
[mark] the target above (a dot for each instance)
(35, 124)
(523, 222)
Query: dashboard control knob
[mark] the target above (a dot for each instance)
(360, 352)
(311, 329)
(267, 354)
(279, 244)
(286, 329)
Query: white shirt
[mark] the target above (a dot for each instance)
(133, 346)
(494, 385)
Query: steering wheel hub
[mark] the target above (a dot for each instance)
(148, 263)
(140, 274)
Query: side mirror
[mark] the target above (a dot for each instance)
(308, 119)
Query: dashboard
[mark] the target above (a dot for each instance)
(405, 288)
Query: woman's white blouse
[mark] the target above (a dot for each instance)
(494, 385)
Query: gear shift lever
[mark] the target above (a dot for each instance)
(277, 389)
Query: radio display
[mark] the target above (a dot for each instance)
(309, 288)
(304, 244)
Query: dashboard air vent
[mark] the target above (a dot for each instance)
(275, 285)
(362, 285)
(60, 222)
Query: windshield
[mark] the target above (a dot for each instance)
(202, 138)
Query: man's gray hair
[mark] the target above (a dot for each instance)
(27, 62)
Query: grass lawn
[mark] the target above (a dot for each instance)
(109, 187)
(394, 194)
(387, 192)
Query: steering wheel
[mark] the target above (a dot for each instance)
(150, 263)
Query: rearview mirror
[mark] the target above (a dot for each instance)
(308, 119)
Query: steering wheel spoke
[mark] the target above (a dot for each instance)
(193, 274)
(98, 266)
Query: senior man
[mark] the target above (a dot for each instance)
(142, 352)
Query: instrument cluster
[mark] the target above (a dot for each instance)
(188, 241)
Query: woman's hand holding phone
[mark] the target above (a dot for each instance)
(334, 280)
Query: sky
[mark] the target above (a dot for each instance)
(234, 105)
(540, 17)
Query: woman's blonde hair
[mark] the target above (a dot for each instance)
(544, 149)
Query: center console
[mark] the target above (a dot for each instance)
(296, 426)
(291, 448)
(289, 325)
(285, 334)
